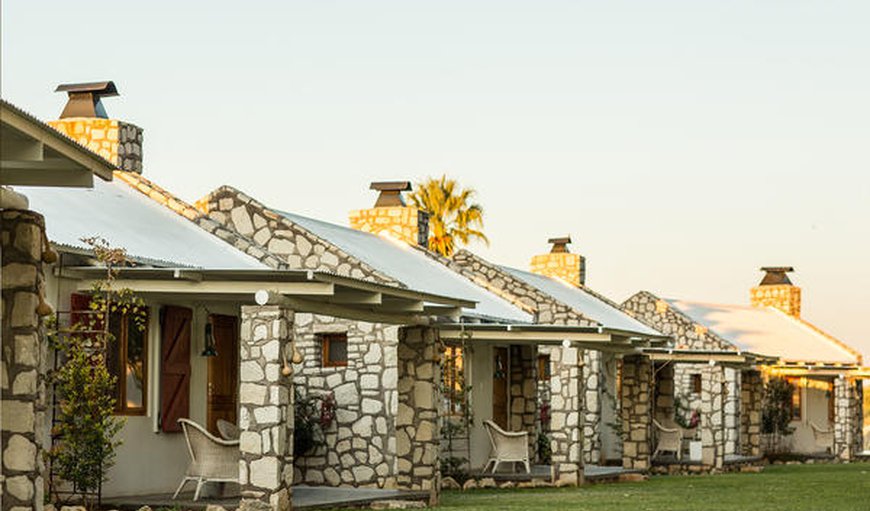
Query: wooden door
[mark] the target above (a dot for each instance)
(500, 387)
(223, 372)
(174, 367)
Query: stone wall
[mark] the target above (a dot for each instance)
(751, 395)
(418, 434)
(296, 247)
(566, 415)
(664, 391)
(712, 416)
(546, 309)
(565, 266)
(116, 141)
(658, 314)
(24, 362)
(636, 411)
(593, 377)
(265, 408)
(405, 223)
(523, 392)
(732, 411)
(848, 418)
(359, 448)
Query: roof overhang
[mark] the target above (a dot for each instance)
(818, 369)
(33, 153)
(596, 338)
(304, 291)
(725, 357)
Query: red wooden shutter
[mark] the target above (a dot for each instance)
(174, 367)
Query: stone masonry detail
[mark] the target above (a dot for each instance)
(637, 381)
(751, 394)
(785, 297)
(848, 400)
(359, 448)
(116, 141)
(566, 415)
(593, 380)
(265, 408)
(561, 265)
(23, 364)
(418, 435)
(405, 223)
(712, 416)
(523, 392)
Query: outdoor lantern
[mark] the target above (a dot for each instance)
(209, 350)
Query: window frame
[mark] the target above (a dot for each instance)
(544, 368)
(797, 399)
(697, 383)
(326, 339)
(451, 374)
(121, 343)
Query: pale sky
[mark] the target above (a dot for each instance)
(681, 144)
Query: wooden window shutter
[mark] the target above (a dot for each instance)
(175, 331)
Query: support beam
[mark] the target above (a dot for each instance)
(712, 416)
(357, 297)
(751, 394)
(266, 409)
(185, 285)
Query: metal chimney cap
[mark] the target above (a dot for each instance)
(391, 193)
(84, 98)
(390, 186)
(776, 275)
(106, 88)
(560, 245)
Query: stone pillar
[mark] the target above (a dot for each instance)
(266, 409)
(732, 411)
(637, 388)
(566, 415)
(848, 415)
(23, 366)
(418, 436)
(751, 394)
(523, 392)
(712, 416)
(592, 377)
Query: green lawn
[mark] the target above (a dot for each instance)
(791, 488)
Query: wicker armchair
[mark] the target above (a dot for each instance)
(670, 439)
(211, 458)
(824, 437)
(510, 447)
(228, 430)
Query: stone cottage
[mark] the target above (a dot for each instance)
(32, 154)
(828, 393)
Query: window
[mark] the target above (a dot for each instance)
(696, 383)
(543, 367)
(831, 401)
(795, 398)
(334, 349)
(453, 380)
(128, 362)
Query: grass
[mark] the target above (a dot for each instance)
(779, 487)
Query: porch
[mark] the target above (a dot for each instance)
(544, 474)
(304, 497)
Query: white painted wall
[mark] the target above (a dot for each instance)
(481, 366)
(814, 407)
(149, 461)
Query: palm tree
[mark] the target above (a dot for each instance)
(452, 215)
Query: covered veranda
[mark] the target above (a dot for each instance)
(268, 301)
(729, 387)
(502, 364)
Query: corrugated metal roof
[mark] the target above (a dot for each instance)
(583, 302)
(766, 330)
(412, 268)
(128, 219)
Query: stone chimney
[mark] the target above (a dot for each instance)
(776, 290)
(560, 263)
(391, 216)
(84, 120)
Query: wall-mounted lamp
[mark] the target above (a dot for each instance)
(209, 350)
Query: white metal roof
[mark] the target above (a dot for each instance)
(583, 302)
(766, 330)
(412, 268)
(130, 220)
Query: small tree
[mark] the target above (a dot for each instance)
(85, 429)
(776, 414)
